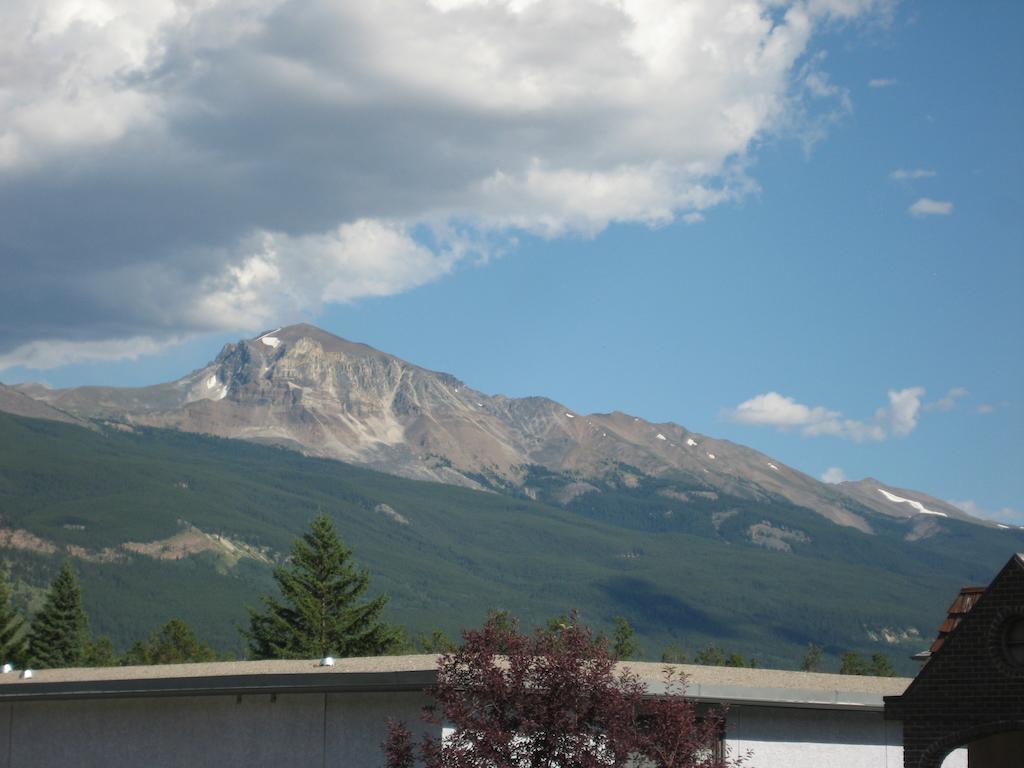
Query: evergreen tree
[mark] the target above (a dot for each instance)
(674, 654)
(623, 640)
(436, 642)
(100, 652)
(59, 631)
(881, 666)
(852, 663)
(12, 635)
(322, 613)
(711, 655)
(174, 643)
(812, 659)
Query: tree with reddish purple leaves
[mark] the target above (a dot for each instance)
(555, 699)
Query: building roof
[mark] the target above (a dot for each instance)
(960, 607)
(728, 685)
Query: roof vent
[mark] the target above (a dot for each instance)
(26, 674)
(7, 669)
(327, 661)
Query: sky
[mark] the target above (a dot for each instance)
(795, 224)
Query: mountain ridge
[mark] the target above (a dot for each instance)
(307, 389)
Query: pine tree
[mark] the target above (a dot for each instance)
(174, 643)
(812, 659)
(12, 635)
(100, 652)
(881, 666)
(59, 631)
(624, 642)
(322, 613)
(852, 663)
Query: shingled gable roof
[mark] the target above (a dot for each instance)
(959, 611)
(960, 607)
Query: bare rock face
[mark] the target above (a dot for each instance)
(306, 389)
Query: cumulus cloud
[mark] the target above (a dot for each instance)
(925, 206)
(881, 82)
(986, 408)
(1006, 515)
(906, 174)
(833, 475)
(899, 418)
(169, 167)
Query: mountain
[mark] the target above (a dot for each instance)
(164, 523)
(21, 404)
(306, 389)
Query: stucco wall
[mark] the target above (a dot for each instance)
(813, 738)
(343, 730)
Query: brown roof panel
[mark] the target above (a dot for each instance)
(961, 606)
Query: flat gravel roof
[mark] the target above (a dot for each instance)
(734, 685)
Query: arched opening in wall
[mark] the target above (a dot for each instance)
(956, 759)
(1000, 749)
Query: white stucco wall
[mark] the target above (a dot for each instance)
(345, 730)
(780, 737)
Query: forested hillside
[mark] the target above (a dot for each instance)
(164, 524)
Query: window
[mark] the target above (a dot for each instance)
(1013, 640)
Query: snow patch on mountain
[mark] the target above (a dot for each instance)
(691, 442)
(661, 436)
(921, 508)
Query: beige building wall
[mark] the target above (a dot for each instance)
(343, 730)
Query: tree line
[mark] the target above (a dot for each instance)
(322, 610)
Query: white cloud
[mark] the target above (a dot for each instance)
(227, 146)
(903, 410)
(45, 354)
(882, 82)
(898, 419)
(925, 206)
(948, 401)
(1006, 515)
(905, 174)
(694, 217)
(986, 408)
(833, 475)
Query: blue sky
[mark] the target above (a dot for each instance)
(813, 276)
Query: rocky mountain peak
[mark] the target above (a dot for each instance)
(307, 389)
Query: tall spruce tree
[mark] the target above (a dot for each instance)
(60, 630)
(322, 613)
(12, 635)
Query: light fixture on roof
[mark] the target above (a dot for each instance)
(327, 661)
(7, 669)
(26, 674)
